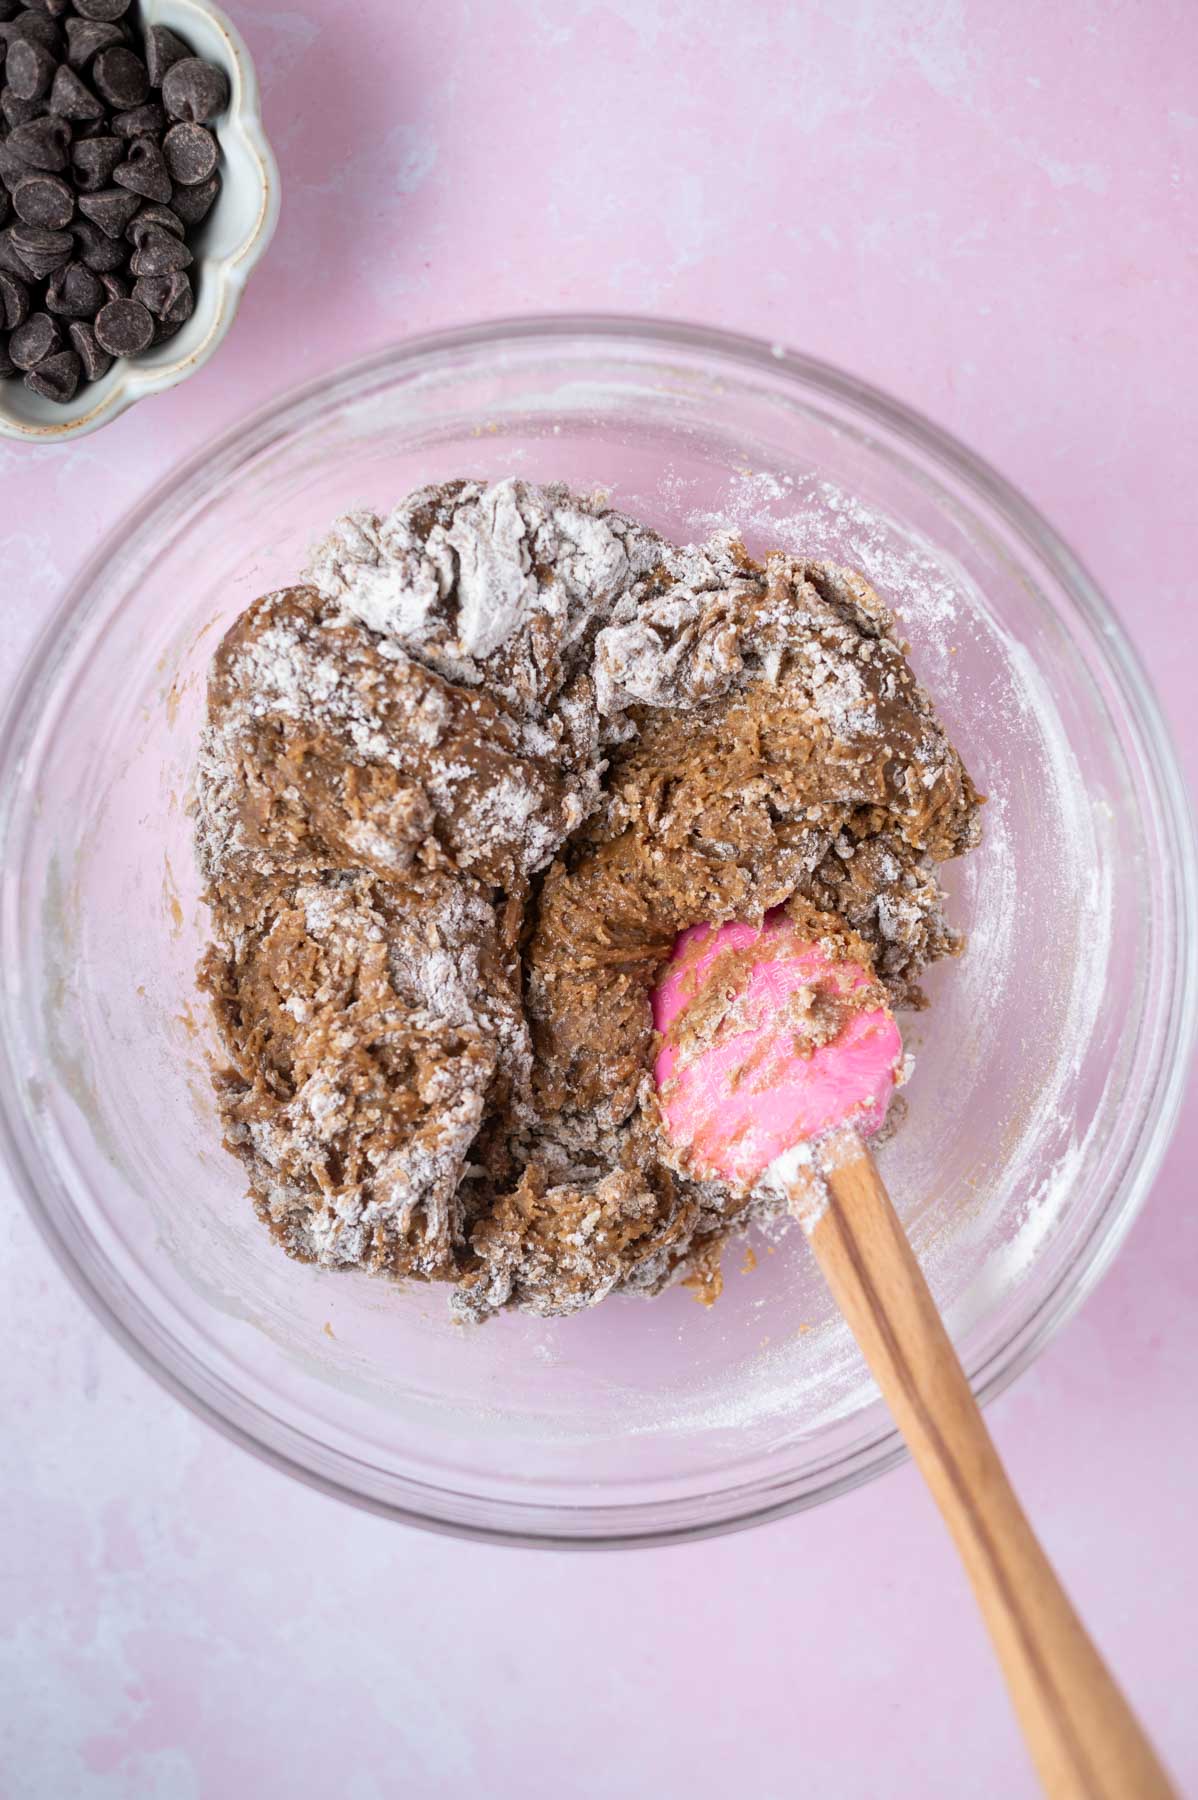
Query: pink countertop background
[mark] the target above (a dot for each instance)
(989, 210)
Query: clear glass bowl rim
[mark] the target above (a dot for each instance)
(1161, 776)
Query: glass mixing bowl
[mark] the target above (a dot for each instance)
(1049, 1067)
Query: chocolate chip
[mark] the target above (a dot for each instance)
(97, 249)
(163, 50)
(43, 199)
(4, 204)
(153, 215)
(75, 292)
(56, 378)
(14, 301)
(168, 297)
(123, 327)
(111, 209)
(144, 171)
(71, 98)
(190, 153)
(36, 339)
(42, 144)
(195, 203)
(55, 8)
(34, 26)
(12, 167)
(86, 39)
(106, 10)
(147, 120)
(10, 260)
(7, 365)
(19, 112)
(95, 362)
(29, 69)
(195, 90)
(166, 328)
(160, 253)
(115, 286)
(152, 291)
(42, 251)
(121, 77)
(93, 162)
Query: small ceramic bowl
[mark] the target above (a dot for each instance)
(227, 246)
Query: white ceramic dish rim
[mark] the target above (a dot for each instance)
(284, 1446)
(132, 381)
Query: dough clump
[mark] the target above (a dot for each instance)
(456, 794)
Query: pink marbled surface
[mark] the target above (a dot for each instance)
(989, 210)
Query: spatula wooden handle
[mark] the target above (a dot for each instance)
(1085, 1739)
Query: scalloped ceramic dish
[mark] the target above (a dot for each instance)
(227, 246)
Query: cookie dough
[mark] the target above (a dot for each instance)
(456, 794)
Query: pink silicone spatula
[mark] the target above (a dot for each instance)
(746, 1099)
